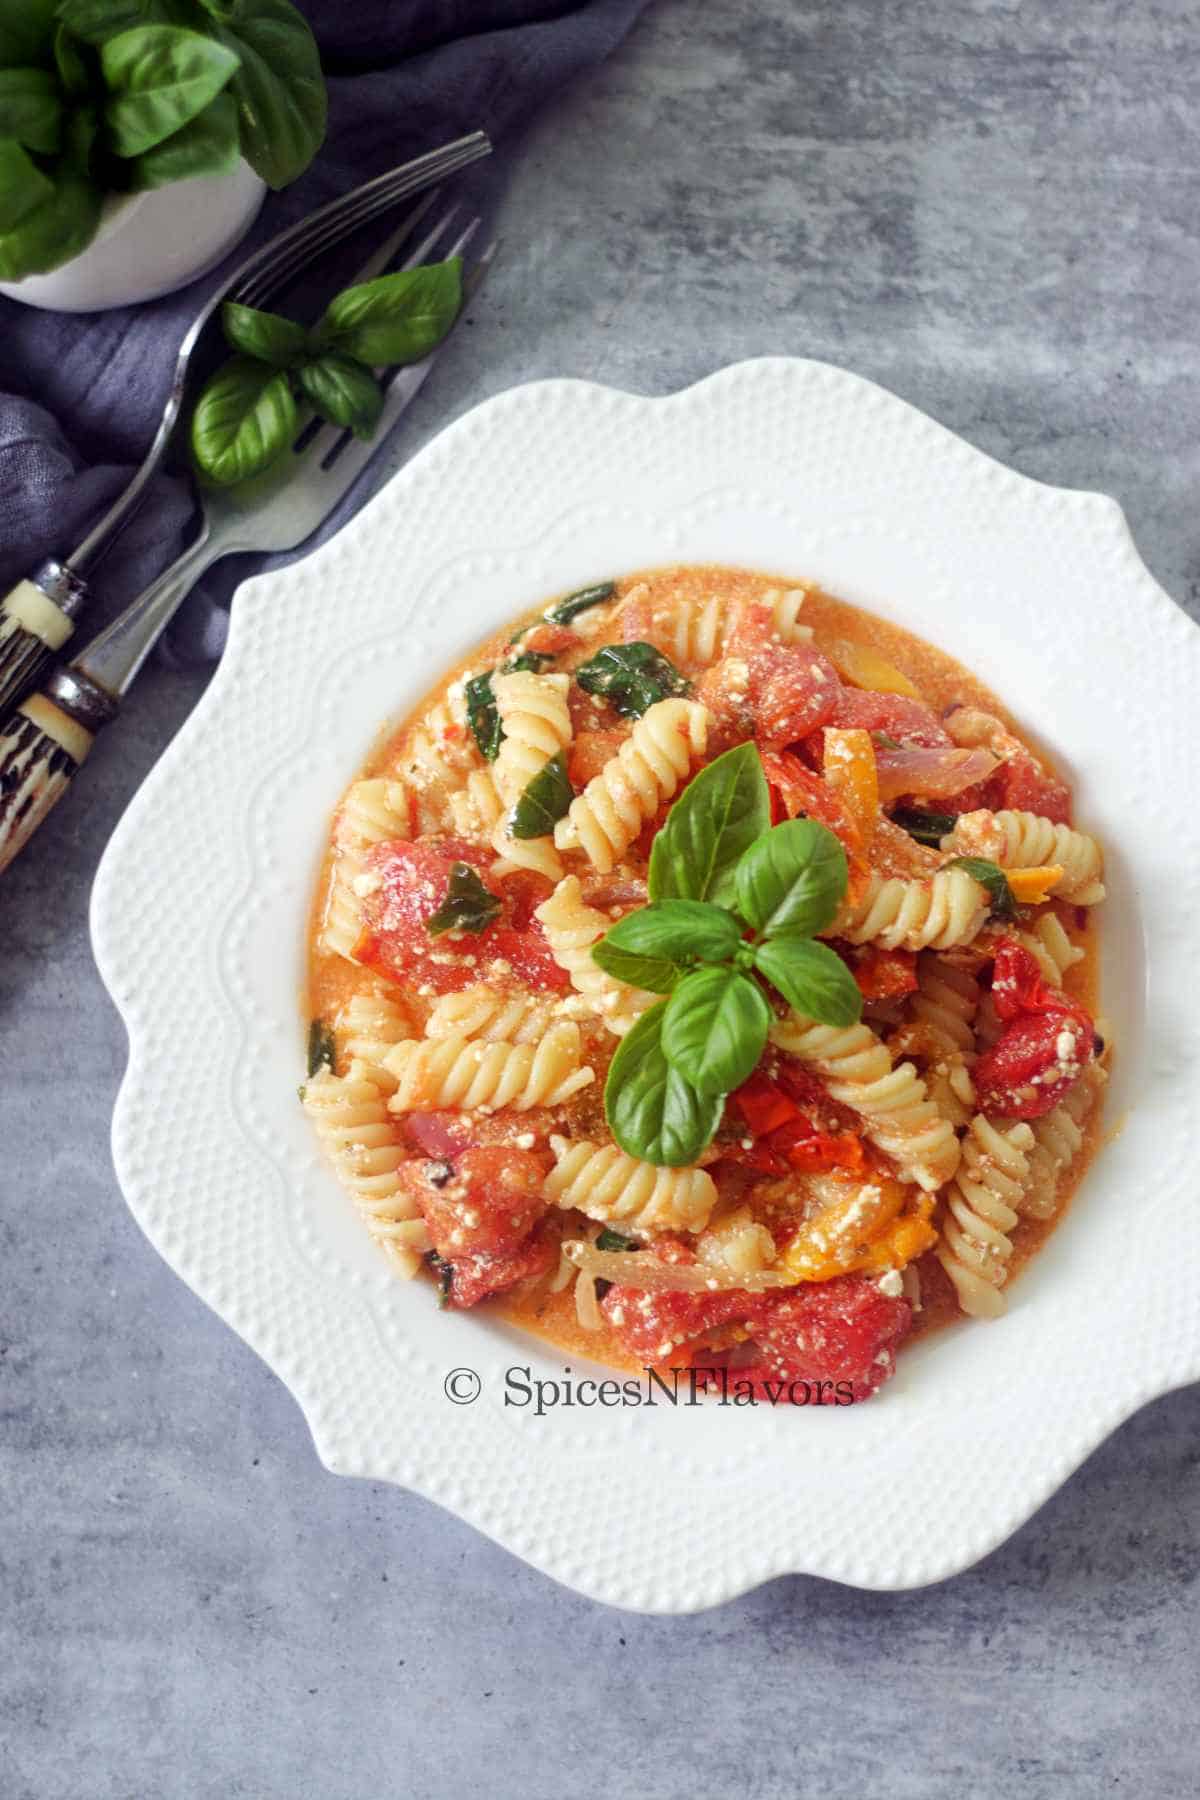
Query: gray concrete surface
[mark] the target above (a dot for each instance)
(990, 208)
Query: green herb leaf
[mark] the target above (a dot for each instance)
(468, 905)
(279, 88)
(715, 1028)
(245, 419)
(97, 20)
(563, 611)
(206, 146)
(159, 78)
(793, 879)
(49, 230)
(26, 32)
(631, 677)
(322, 1047)
(445, 1276)
(70, 63)
(926, 827)
(653, 947)
(31, 109)
(654, 974)
(23, 188)
(608, 1239)
(343, 392)
(396, 318)
(544, 801)
(713, 822)
(267, 335)
(991, 876)
(812, 978)
(483, 715)
(532, 660)
(653, 1112)
(884, 740)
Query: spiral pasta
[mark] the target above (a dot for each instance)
(950, 908)
(898, 1115)
(1050, 946)
(341, 921)
(485, 1012)
(374, 812)
(572, 927)
(369, 1025)
(945, 1004)
(351, 1119)
(604, 1183)
(646, 771)
(695, 629)
(1021, 840)
(471, 1073)
(982, 1205)
(537, 725)
(440, 751)
(476, 807)
(1057, 1141)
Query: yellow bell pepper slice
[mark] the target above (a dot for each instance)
(835, 1240)
(863, 667)
(1031, 886)
(851, 772)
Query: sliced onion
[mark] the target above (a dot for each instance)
(638, 1269)
(438, 1133)
(934, 774)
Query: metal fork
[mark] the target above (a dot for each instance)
(38, 616)
(46, 739)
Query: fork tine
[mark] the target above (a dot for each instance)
(323, 229)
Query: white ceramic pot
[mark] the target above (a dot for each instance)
(150, 244)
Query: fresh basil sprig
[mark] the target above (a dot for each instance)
(117, 96)
(398, 318)
(468, 905)
(990, 876)
(631, 677)
(545, 800)
(927, 827)
(734, 902)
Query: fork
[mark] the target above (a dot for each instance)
(46, 739)
(38, 616)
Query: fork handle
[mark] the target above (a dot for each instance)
(42, 747)
(36, 620)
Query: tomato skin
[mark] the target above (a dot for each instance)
(835, 1331)
(1039, 1056)
(795, 690)
(650, 1331)
(413, 880)
(548, 639)
(485, 1201)
(910, 722)
(880, 974)
(589, 752)
(476, 1278)
(1022, 785)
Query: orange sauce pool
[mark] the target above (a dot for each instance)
(943, 683)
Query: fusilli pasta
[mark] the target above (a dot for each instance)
(899, 1116)
(602, 1182)
(1058, 1139)
(471, 1073)
(486, 1012)
(648, 768)
(374, 812)
(351, 1119)
(571, 928)
(1020, 840)
(369, 1025)
(898, 914)
(981, 1208)
(1051, 948)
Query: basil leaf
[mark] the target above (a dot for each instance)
(96, 20)
(926, 827)
(681, 930)
(71, 64)
(206, 146)
(31, 109)
(51, 230)
(991, 876)
(483, 715)
(396, 318)
(714, 821)
(279, 88)
(468, 905)
(344, 392)
(245, 419)
(608, 1239)
(812, 978)
(793, 879)
(26, 32)
(631, 677)
(23, 187)
(544, 801)
(322, 1046)
(159, 78)
(715, 1028)
(267, 335)
(533, 660)
(565, 610)
(653, 1112)
(654, 974)
(445, 1276)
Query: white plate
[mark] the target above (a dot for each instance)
(198, 920)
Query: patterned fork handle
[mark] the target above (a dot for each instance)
(41, 750)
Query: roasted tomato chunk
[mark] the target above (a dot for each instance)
(909, 722)
(476, 1278)
(1031, 1066)
(653, 1326)
(843, 1330)
(484, 1200)
(412, 880)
